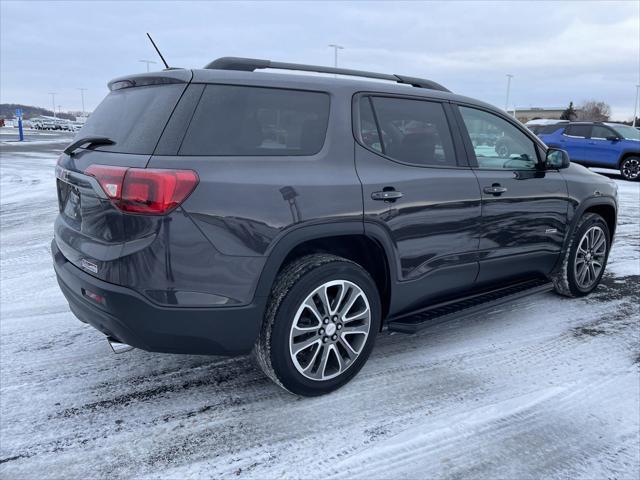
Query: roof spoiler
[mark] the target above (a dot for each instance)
(251, 64)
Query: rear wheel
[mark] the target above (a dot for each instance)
(586, 258)
(630, 168)
(320, 326)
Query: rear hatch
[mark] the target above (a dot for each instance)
(91, 231)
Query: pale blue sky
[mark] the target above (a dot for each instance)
(557, 51)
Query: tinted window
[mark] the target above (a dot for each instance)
(414, 131)
(497, 143)
(368, 129)
(599, 131)
(236, 120)
(578, 130)
(551, 128)
(133, 117)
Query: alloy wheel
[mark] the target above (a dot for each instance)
(630, 168)
(590, 257)
(329, 330)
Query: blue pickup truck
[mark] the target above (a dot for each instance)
(598, 144)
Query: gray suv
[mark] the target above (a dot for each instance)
(223, 211)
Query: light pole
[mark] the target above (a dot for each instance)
(635, 106)
(335, 53)
(148, 62)
(506, 103)
(82, 90)
(53, 102)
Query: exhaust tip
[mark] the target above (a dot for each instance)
(117, 346)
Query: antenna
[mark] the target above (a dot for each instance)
(157, 50)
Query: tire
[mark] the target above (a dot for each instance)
(569, 280)
(295, 291)
(630, 168)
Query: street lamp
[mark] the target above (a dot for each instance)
(335, 53)
(53, 102)
(82, 90)
(506, 103)
(147, 62)
(635, 106)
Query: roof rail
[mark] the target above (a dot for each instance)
(251, 64)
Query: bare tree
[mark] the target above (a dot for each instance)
(594, 111)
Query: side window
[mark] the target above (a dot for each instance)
(582, 131)
(238, 120)
(368, 129)
(414, 131)
(600, 132)
(497, 143)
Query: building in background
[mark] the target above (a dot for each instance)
(532, 113)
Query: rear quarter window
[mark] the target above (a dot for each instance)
(233, 120)
(133, 117)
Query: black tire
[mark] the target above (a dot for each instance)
(564, 279)
(630, 168)
(292, 287)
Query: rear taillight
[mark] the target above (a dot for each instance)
(144, 190)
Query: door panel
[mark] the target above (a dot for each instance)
(434, 225)
(523, 228)
(601, 151)
(524, 208)
(574, 141)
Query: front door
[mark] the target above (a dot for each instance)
(524, 206)
(419, 190)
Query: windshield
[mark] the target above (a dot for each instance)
(627, 132)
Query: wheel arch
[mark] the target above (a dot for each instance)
(604, 206)
(627, 154)
(344, 239)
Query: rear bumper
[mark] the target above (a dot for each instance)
(131, 318)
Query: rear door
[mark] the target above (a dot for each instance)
(574, 140)
(90, 231)
(524, 207)
(601, 151)
(419, 191)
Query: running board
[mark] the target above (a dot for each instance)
(467, 306)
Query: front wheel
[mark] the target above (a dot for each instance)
(585, 260)
(630, 168)
(320, 326)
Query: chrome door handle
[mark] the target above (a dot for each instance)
(494, 189)
(387, 195)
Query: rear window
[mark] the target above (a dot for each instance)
(133, 117)
(578, 131)
(235, 120)
(413, 131)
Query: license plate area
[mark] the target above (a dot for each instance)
(69, 201)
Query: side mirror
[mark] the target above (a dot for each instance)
(557, 159)
(613, 138)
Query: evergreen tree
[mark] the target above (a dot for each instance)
(569, 113)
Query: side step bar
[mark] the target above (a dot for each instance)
(468, 305)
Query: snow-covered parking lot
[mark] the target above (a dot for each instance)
(547, 387)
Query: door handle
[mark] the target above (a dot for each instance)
(387, 195)
(496, 189)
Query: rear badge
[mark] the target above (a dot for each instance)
(87, 265)
(549, 231)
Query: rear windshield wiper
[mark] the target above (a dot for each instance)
(88, 141)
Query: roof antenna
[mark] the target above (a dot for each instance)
(161, 57)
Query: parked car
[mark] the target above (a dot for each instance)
(192, 230)
(597, 144)
(542, 125)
